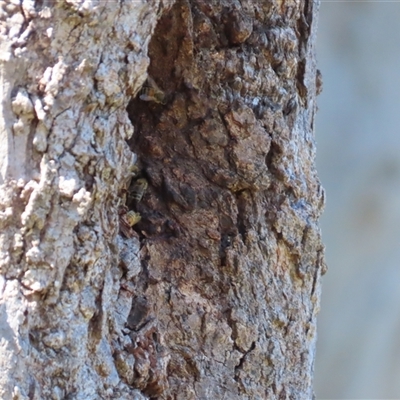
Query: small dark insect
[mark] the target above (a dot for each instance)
(151, 92)
(138, 189)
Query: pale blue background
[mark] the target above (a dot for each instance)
(358, 158)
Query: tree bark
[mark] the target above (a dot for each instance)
(213, 294)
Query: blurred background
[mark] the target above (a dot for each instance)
(358, 159)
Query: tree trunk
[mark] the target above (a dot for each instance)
(204, 286)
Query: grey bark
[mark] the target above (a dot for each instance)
(214, 293)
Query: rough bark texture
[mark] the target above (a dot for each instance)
(216, 293)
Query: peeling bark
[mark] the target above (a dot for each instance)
(206, 286)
